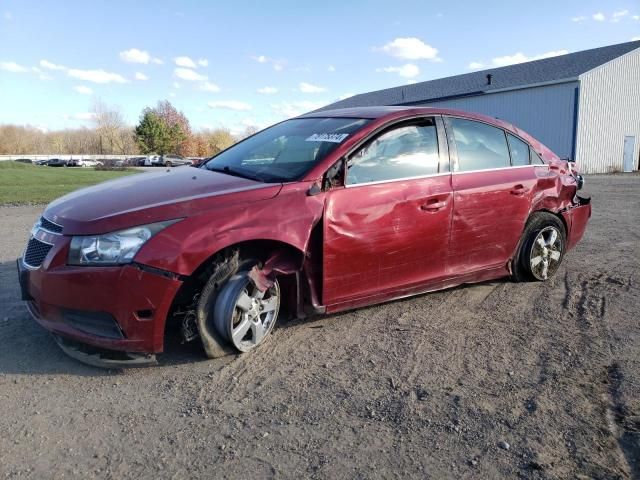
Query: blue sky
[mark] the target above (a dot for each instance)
(245, 63)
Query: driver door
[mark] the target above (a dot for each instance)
(387, 229)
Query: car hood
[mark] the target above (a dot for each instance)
(152, 197)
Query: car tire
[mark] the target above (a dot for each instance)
(168, 164)
(541, 250)
(244, 315)
(223, 267)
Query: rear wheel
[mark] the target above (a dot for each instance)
(541, 249)
(168, 164)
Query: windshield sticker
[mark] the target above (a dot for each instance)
(327, 137)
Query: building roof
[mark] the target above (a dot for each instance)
(548, 70)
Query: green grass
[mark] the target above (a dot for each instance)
(22, 184)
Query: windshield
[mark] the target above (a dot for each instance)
(285, 151)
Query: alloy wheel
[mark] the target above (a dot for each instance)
(546, 252)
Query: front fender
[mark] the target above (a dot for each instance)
(287, 218)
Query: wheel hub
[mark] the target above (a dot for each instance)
(546, 252)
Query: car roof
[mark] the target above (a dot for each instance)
(375, 113)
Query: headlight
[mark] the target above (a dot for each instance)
(114, 248)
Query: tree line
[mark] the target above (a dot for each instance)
(161, 129)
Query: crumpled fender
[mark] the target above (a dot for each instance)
(287, 218)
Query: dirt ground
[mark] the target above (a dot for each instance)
(496, 380)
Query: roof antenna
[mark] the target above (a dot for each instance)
(489, 77)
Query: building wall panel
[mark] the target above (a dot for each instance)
(609, 111)
(546, 112)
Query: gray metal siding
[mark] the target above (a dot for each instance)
(609, 111)
(547, 112)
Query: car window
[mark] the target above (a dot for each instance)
(404, 152)
(519, 151)
(479, 146)
(535, 158)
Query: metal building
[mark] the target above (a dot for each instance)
(585, 106)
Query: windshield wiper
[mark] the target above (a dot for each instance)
(233, 173)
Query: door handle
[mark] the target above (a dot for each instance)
(433, 205)
(518, 190)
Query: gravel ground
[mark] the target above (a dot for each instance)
(485, 381)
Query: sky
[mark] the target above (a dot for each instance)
(244, 63)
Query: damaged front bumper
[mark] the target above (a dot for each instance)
(104, 316)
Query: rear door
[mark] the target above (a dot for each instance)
(388, 227)
(493, 185)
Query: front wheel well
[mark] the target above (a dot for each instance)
(253, 249)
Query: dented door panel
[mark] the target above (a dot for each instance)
(490, 210)
(382, 236)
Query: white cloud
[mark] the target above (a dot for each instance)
(410, 48)
(345, 96)
(203, 62)
(134, 55)
(209, 87)
(42, 75)
(278, 65)
(579, 18)
(618, 15)
(305, 87)
(331, 68)
(190, 75)
(176, 85)
(230, 105)
(185, 62)
(83, 89)
(411, 82)
(521, 58)
(51, 66)
(96, 76)
(406, 71)
(636, 17)
(172, 94)
(157, 61)
(635, 38)
(475, 65)
(13, 67)
(293, 109)
(598, 17)
(83, 116)
(267, 90)
(140, 76)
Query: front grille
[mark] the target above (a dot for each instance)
(50, 226)
(36, 253)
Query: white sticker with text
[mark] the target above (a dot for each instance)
(327, 137)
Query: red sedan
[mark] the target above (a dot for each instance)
(325, 212)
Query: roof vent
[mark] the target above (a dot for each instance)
(489, 77)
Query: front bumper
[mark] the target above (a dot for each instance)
(122, 309)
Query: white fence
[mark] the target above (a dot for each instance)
(67, 157)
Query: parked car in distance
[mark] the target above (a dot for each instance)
(90, 163)
(170, 160)
(197, 161)
(23, 160)
(75, 162)
(41, 162)
(322, 213)
(57, 162)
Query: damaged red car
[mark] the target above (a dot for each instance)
(326, 212)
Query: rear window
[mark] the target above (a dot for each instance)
(519, 151)
(479, 146)
(286, 151)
